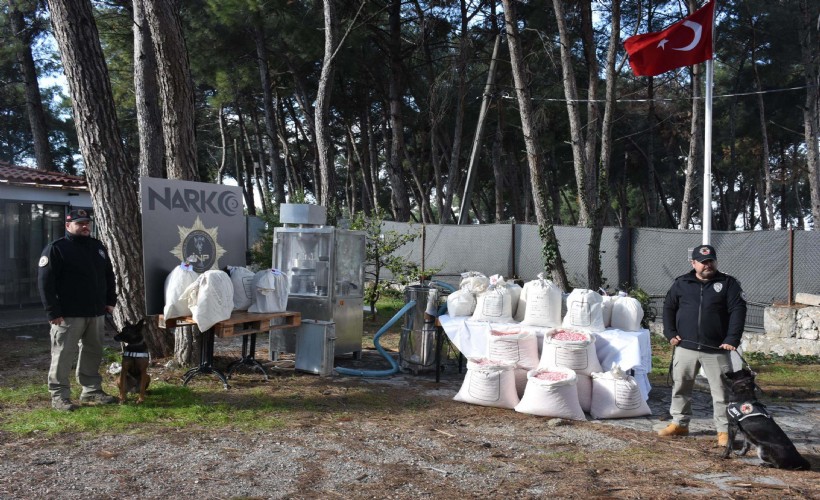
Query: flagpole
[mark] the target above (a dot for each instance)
(707, 158)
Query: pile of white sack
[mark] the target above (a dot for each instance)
(212, 296)
(539, 303)
(567, 380)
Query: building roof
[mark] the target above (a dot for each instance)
(25, 176)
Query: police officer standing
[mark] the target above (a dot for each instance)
(703, 317)
(76, 282)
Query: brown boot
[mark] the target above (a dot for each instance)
(723, 439)
(674, 430)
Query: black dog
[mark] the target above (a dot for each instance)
(134, 375)
(749, 416)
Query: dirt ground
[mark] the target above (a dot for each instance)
(399, 437)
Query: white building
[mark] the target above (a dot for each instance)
(33, 205)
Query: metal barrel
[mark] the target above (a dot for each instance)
(417, 343)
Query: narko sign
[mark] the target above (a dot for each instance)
(183, 221)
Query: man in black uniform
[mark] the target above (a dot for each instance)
(703, 317)
(76, 282)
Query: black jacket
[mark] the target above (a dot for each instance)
(705, 314)
(76, 278)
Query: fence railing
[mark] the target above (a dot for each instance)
(754, 313)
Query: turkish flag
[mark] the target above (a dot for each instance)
(687, 42)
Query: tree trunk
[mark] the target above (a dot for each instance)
(601, 206)
(175, 89)
(261, 172)
(146, 90)
(245, 152)
(271, 136)
(223, 135)
(396, 170)
(111, 177)
(553, 262)
(327, 169)
(34, 101)
(767, 215)
(151, 144)
(811, 110)
(454, 172)
(579, 156)
(498, 173)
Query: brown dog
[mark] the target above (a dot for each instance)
(134, 375)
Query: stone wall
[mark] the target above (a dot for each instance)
(788, 330)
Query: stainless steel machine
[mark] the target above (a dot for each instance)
(417, 345)
(325, 269)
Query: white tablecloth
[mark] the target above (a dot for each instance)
(629, 350)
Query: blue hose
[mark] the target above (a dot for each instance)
(382, 330)
(444, 285)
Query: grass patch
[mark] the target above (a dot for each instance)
(797, 372)
(23, 394)
(169, 406)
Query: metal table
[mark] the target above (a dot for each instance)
(240, 323)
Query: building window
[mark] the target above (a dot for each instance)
(26, 228)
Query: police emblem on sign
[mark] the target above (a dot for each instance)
(199, 250)
(718, 287)
(199, 246)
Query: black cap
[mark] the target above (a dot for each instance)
(79, 215)
(703, 253)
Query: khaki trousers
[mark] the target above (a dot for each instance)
(685, 366)
(75, 336)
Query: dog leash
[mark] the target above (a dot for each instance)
(742, 359)
(719, 349)
(110, 320)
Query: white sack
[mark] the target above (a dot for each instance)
(521, 308)
(606, 308)
(175, 284)
(570, 349)
(461, 303)
(270, 292)
(210, 298)
(242, 280)
(542, 303)
(514, 290)
(494, 305)
(584, 385)
(513, 345)
(474, 282)
(616, 395)
(584, 311)
(553, 396)
(627, 314)
(489, 383)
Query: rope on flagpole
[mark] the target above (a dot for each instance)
(505, 95)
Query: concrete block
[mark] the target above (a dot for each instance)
(808, 323)
(809, 299)
(779, 322)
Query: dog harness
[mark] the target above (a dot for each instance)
(741, 411)
(127, 354)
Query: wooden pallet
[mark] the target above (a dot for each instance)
(241, 323)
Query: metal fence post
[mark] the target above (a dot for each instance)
(791, 265)
(513, 270)
(423, 248)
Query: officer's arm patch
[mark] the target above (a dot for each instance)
(43, 261)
